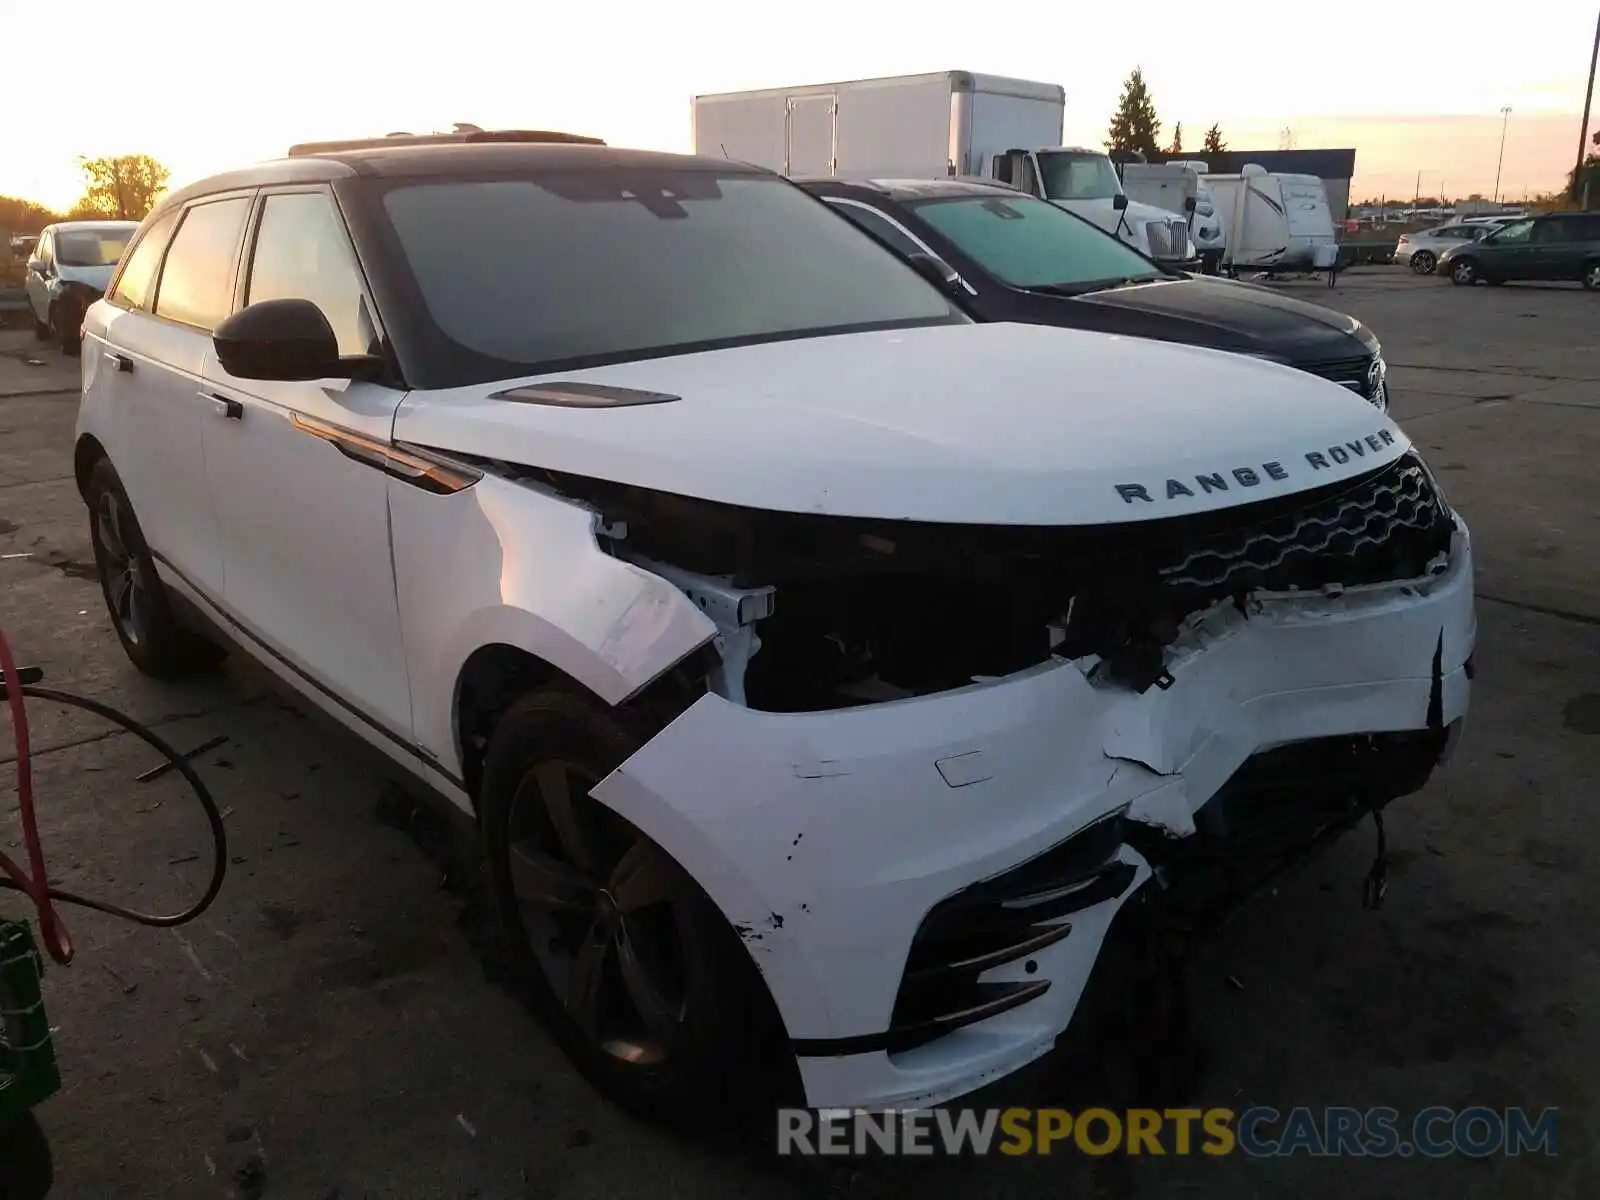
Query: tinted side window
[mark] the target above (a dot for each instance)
(196, 285)
(879, 226)
(303, 253)
(138, 278)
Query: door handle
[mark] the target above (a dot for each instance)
(124, 363)
(227, 407)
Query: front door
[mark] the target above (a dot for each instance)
(307, 569)
(1510, 253)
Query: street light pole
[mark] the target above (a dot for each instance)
(1588, 96)
(1505, 117)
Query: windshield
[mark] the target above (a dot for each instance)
(581, 267)
(1031, 244)
(91, 247)
(1517, 231)
(1078, 175)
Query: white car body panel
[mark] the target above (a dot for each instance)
(824, 837)
(43, 290)
(880, 425)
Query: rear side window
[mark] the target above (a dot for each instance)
(303, 253)
(196, 285)
(138, 278)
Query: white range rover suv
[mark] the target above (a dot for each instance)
(824, 671)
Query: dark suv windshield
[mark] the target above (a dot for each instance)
(1031, 244)
(91, 247)
(580, 267)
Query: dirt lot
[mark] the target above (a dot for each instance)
(326, 1031)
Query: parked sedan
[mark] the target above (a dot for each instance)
(1006, 256)
(1553, 247)
(68, 270)
(1421, 250)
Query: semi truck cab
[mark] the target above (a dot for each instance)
(1085, 182)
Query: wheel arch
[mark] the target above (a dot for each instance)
(85, 454)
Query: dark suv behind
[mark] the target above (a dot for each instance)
(1557, 246)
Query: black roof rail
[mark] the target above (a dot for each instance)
(460, 137)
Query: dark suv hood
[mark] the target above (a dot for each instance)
(1237, 316)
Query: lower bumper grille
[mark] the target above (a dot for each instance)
(1002, 920)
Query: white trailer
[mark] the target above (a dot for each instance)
(930, 127)
(1275, 222)
(904, 126)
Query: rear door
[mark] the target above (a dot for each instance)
(1560, 246)
(152, 347)
(809, 136)
(297, 478)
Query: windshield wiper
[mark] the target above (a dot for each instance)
(1093, 285)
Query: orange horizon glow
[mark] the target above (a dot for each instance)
(242, 90)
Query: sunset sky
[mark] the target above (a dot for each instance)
(203, 87)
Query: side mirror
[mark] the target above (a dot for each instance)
(1120, 202)
(288, 340)
(936, 271)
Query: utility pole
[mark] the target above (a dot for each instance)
(1588, 96)
(1505, 116)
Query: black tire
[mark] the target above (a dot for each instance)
(66, 321)
(713, 1042)
(1423, 262)
(1464, 272)
(137, 601)
(25, 1155)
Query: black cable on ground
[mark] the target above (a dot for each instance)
(219, 836)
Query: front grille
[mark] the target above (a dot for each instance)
(1160, 239)
(1009, 917)
(1391, 525)
(1349, 372)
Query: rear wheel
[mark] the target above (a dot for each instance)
(1423, 262)
(1464, 272)
(136, 599)
(637, 974)
(1591, 277)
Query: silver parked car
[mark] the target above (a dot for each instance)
(1423, 249)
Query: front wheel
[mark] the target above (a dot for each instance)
(637, 974)
(1591, 277)
(1464, 273)
(67, 325)
(1423, 262)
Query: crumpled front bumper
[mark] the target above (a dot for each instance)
(828, 838)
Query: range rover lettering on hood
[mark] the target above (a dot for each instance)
(1227, 478)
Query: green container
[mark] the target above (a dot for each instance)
(28, 1071)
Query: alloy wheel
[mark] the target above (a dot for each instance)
(599, 905)
(1422, 263)
(126, 594)
(1464, 273)
(1591, 277)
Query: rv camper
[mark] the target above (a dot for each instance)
(1275, 222)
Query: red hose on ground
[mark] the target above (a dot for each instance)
(54, 933)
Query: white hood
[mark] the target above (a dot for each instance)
(990, 424)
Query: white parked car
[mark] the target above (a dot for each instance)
(68, 269)
(1423, 249)
(825, 671)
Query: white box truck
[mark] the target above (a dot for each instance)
(930, 127)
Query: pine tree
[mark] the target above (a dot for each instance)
(1214, 143)
(1134, 126)
(1177, 139)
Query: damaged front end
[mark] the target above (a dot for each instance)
(922, 767)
